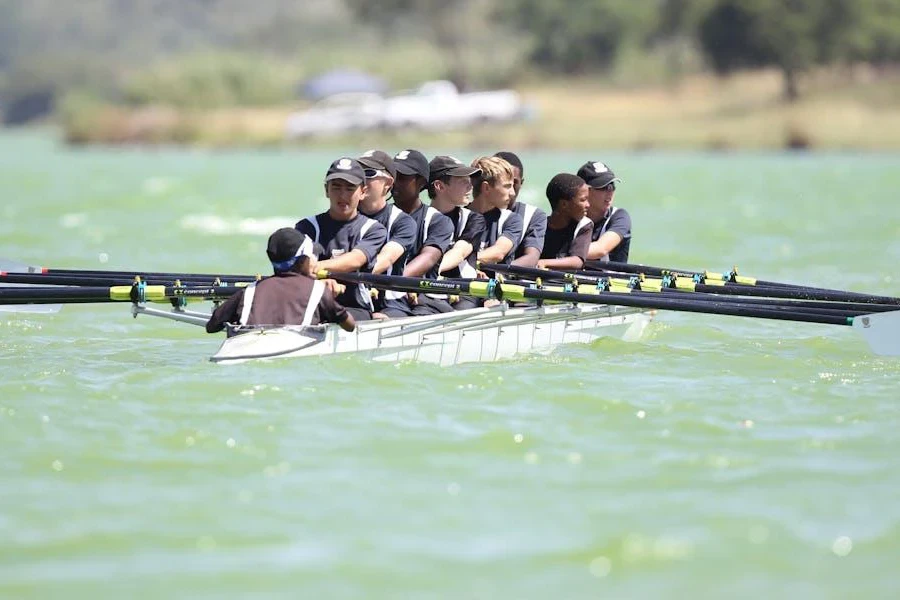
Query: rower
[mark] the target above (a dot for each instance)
(491, 189)
(434, 234)
(291, 297)
(534, 220)
(380, 172)
(450, 187)
(350, 240)
(568, 228)
(611, 238)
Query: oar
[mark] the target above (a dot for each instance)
(129, 274)
(516, 293)
(111, 280)
(14, 266)
(711, 277)
(752, 287)
(759, 296)
(120, 293)
(480, 288)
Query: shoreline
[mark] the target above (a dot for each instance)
(743, 112)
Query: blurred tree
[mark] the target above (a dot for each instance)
(578, 37)
(878, 36)
(792, 35)
(444, 20)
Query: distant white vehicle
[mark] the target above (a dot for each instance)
(435, 105)
(439, 105)
(341, 113)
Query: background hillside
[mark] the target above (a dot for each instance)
(109, 70)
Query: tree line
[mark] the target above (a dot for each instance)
(146, 52)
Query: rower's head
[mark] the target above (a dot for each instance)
(518, 172)
(291, 250)
(412, 176)
(492, 185)
(602, 187)
(380, 172)
(345, 186)
(568, 195)
(449, 181)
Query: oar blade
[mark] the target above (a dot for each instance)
(881, 331)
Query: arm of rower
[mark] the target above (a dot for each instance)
(605, 244)
(345, 263)
(569, 263)
(497, 252)
(455, 255)
(349, 323)
(421, 264)
(387, 257)
(529, 259)
(227, 312)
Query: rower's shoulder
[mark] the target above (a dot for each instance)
(307, 224)
(529, 212)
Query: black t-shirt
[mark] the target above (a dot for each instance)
(535, 227)
(401, 230)
(469, 226)
(511, 228)
(432, 229)
(572, 240)
(339, 237)
(619, 221)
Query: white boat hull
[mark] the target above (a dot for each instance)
(477, 335)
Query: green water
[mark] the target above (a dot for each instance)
(718, 457)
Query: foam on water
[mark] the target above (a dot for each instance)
(216, 225)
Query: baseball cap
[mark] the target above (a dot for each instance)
(347, 169)
(378, 161)
(411, 162)
(288, 244)
(596, 174)
(449, 165)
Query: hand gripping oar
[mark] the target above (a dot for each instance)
(479, 288)
(669, 284)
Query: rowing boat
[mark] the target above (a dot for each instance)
(532, 316)
(475, 335)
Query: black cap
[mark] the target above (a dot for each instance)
(347, 169)
(379, 161)
(449, 165)
(286, 244)
(411, 162)
(597, 174)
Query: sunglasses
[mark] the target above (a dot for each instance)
(609, 187)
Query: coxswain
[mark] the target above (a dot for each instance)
(290, 297)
